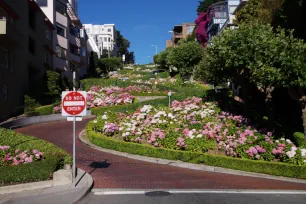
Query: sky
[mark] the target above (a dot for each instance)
(142, 22)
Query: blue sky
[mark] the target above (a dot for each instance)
(142, 22)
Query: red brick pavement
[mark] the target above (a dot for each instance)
(111, 171)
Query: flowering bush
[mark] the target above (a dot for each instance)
(198, 126)
(57, 109)
(11, 157)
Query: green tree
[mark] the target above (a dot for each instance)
(254, 54)
(111, 64)
(185, 57)
(53, 83)
(262, 11)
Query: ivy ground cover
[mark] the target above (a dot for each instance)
(198, 126)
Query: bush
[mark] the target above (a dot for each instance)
(299, 139)
(55, 158)
(30, 104)
(272, 168)
(45, 110)
(31, 113)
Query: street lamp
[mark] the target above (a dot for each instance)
(155, 47)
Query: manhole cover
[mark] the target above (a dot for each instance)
(157, 194)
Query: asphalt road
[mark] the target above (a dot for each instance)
(192, 198)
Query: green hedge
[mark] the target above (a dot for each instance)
(55, 158)
(271, 168)
(299, 139)
(45, 110)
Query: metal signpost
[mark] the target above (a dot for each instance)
(74, 107)
(169, 94)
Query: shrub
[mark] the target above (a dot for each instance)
(55, 158)
(30, 104)
(272, 168)
(299, 139)
(45, 110)
(31, 113)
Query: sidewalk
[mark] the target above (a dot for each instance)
(55, 195)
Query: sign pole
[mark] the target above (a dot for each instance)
(73, 154)
(169, 94)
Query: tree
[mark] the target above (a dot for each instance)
(255, 54)
(53, 83)
(130, 58)
(262, 11)
(94, 65)
(111, 64)
(185, 57)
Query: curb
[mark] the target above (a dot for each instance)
(25, 187)
(87, 183)
(97, 191)
(83, 138)
(37, 120)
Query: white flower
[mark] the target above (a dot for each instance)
(171, 122)
(288, 141)
(95, 121)
(104, 117)
(283, 139)
(303, 152)
(199, 136)
(277, 141)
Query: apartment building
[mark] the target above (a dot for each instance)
(102, 37)
(222, 15)
(179, 32)
(26, 53)
(69, 40)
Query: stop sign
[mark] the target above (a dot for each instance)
(74, 103)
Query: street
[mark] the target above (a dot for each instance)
(194, 198)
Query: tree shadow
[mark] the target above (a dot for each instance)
(99, 165)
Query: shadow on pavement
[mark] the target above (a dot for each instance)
(99, 165)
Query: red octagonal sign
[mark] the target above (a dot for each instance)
(74, 103)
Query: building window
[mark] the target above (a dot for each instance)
(60, 52)
(75, 32)
(109, 39)
(42, 3)
(190, 29)
(4, 58)
(105, 39)
(109, 30)
(4, 92)
(61, 8)
(32, 45)
(74, 49)
(60, 30)
(32, 19)
(48, 33)
(48, 58)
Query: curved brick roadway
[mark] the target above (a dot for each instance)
(110, 171)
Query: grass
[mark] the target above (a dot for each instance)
(271, 168)
(55, 158)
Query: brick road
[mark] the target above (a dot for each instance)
(110, 171)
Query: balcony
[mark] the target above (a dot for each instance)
(63, 42)
(218, 13)
(61, 64)
(75, 57)
(61, 19)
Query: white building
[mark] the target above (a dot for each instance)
(69, 39)
(104, 37)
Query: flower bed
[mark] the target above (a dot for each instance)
(196, 126)
(110, 96)
(28, 159)
(14, 157)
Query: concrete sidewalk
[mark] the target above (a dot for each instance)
(56, 195)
